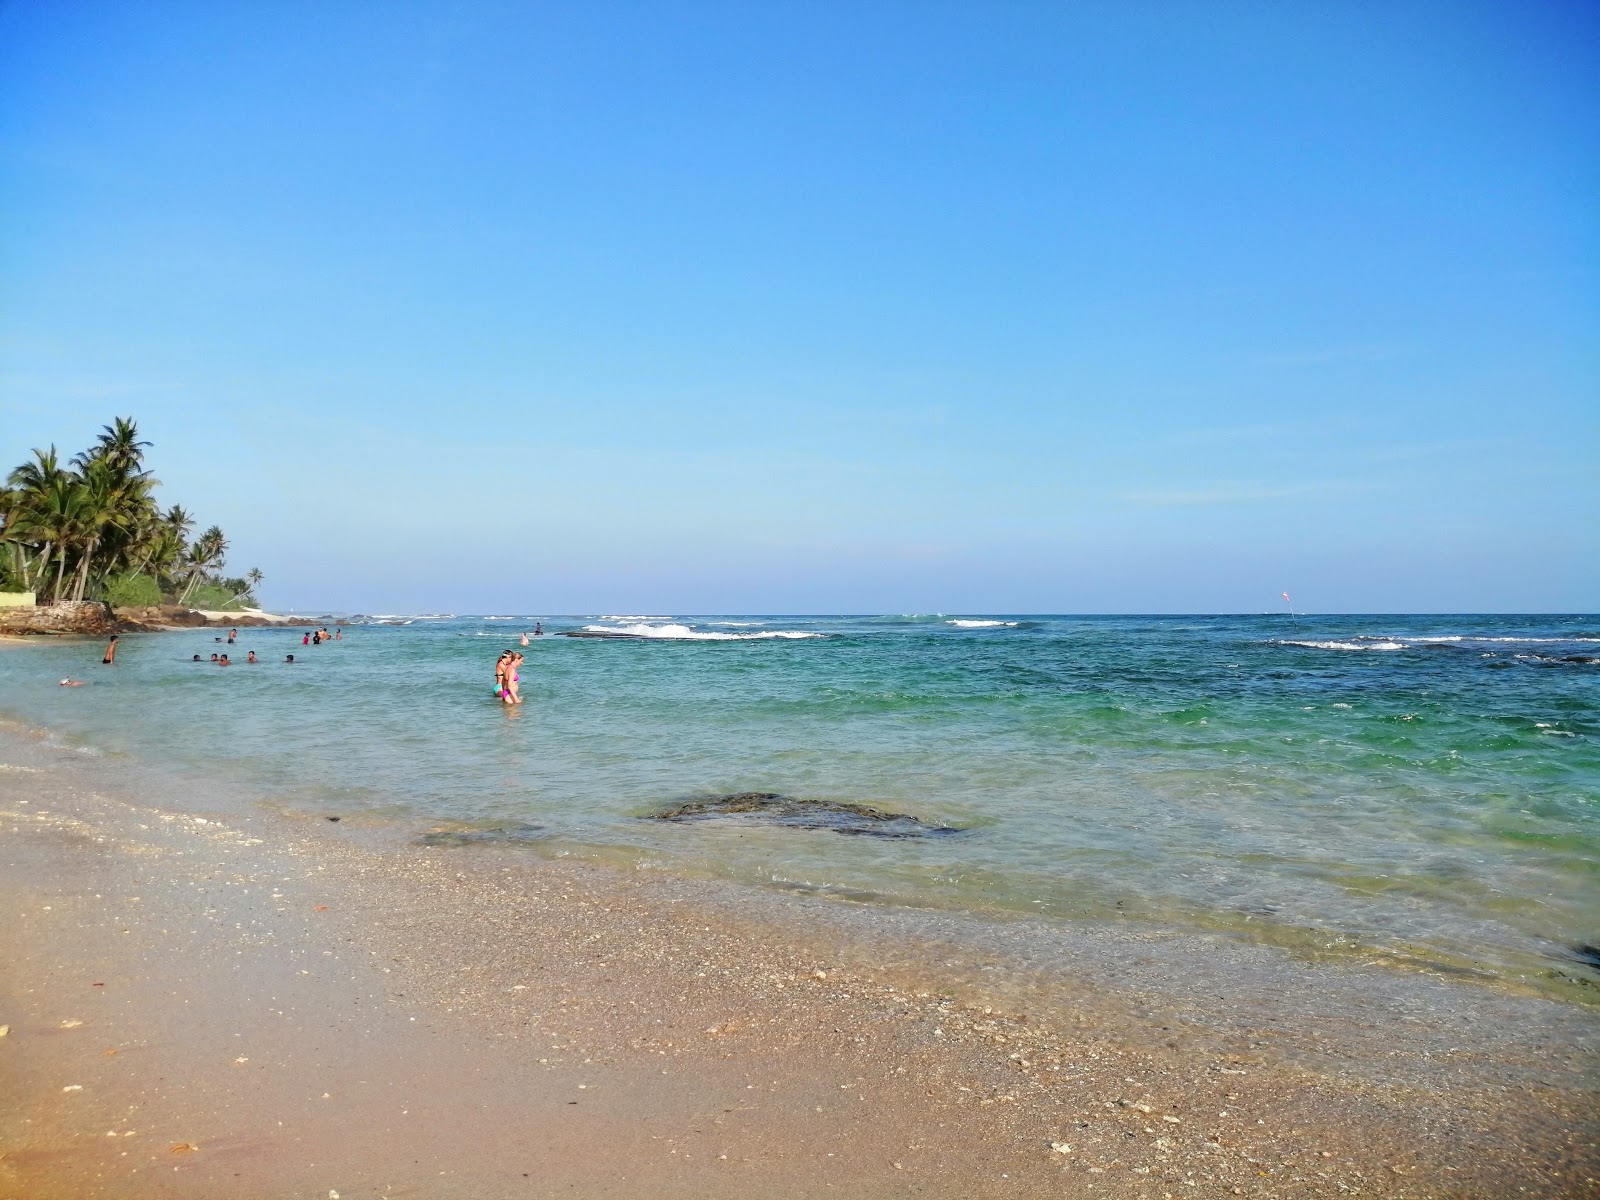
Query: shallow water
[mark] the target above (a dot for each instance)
(1406, 789)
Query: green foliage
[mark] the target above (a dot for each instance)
(91, 527)
(131, 589)
(214, 596)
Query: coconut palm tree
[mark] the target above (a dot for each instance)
(60, 519)
(244, 587)
(206, 555)
(27, 490)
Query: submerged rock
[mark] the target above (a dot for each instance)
(839, 816)
(1584, 955)
(498, 835)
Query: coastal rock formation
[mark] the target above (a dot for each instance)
(67, 616)
(168, 616)
(839, 816)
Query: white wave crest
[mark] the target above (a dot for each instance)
(984, 624)
(682, 633)
(1345, 645)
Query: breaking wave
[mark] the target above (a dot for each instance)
(682, 633)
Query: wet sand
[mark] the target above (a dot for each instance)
(203, 1001)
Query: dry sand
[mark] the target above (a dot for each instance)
(212, 1003)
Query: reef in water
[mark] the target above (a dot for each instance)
(838, 816)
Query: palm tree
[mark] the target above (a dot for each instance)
(59, 519)
(252, 580)
(119, 447)
(102, 510)
(206, 554)
(28, 488)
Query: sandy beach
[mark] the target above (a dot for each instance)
(203, 1002)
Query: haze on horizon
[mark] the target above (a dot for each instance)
(786, 308)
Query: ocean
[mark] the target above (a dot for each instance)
(1417, 791)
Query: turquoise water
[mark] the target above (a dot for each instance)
(1410, 788)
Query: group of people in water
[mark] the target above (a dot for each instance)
(507, 669)
(315, 638)
(507, 675)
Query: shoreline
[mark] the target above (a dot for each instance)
(853, 1052)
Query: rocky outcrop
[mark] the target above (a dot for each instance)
(66, 616)
(166, 616)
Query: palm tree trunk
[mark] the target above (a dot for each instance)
(40, 564)
(83, 567)
(61, 567)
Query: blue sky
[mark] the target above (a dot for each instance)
(822, 306)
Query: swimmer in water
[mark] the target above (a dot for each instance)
(288, 658)
(251, 656)
(72, 683)
(232, 634)
(500, 674)
(213, 658)
(513, 679)
(223, 661)
(538, 629)
(196, 658)
(524, 639)
(111, 650)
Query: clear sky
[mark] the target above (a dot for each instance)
(823, 307)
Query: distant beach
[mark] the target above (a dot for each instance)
(861, 988)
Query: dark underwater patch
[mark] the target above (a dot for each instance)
(836, 816)
(498, 835)
(1584, 955)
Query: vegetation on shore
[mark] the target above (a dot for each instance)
(91, 529)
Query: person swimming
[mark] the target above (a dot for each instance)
(213, 658)
(250, 656)
(72, 683)
(305, 639)
(196, 658)
(288, 658)
(223, 661)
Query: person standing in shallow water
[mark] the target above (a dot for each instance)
(513, 679)
(111, 650)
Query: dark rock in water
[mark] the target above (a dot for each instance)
(1588, 956)
(600, 633)
(769, 808)
(499, 835)
(1581, 658)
